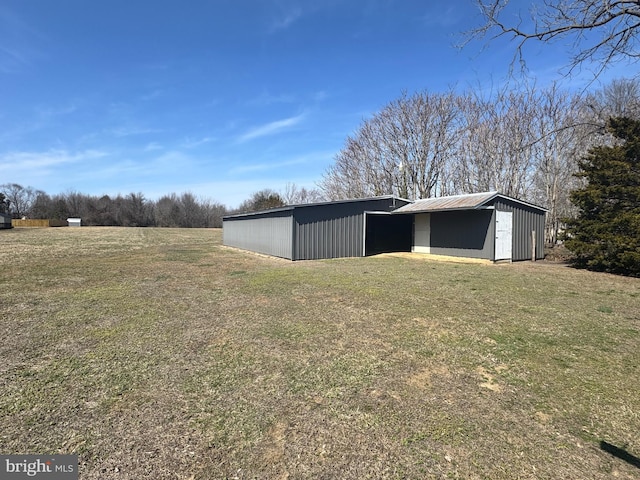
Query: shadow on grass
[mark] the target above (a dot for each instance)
(620, 453)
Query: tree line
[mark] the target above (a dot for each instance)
(134, 210)
(525, 143)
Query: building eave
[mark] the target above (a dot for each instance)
(307, 205)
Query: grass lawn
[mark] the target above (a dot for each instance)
(161, 354)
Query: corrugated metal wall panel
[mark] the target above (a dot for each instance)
(465, 233)
(271, 234)
(335, 230)
(5, 221)
(525, 220)
(329, 238)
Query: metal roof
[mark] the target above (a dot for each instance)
(470, 201)
(304, 205)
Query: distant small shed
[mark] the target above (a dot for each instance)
(5, 220)
(486, 225)
(74, 222)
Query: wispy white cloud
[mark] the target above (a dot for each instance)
(119, 108)
(263, 167)
(265, 99)
(193, 142)
(48, 112)
(23, 129)
(286, 19)
(129, 131)
(12, 60)
(318, 157)
(152, 146)
(34, 161)
(171, 161)
(231, 193)
(18, 42)
(152, 95)
(320, 96)
(271, 128)
(442, 17)
(122, 169)
(47, 168)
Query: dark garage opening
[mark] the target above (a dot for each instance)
(388, 233)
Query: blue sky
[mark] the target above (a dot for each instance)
(220, 98)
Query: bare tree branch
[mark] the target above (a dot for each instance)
(617, 22)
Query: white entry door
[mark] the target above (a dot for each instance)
(504, 228)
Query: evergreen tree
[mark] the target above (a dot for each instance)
(4, 204)
(262, 200)
(605, 235)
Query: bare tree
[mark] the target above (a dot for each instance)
(294, 195)
(212, 213)
(602, 31)
(356, 171)
(21, 199)
(191, 214)
(262, 200)
(559, 143)
(134, 211)
(495, 150)
(619, 98)
(52, 207)
(167, 211)
(401, 150)
(105, 210)
(74, 203)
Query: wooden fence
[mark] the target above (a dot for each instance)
(36, 222)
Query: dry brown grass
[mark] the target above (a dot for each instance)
(158, 353)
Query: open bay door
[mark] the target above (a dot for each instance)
(504, 235)
(385, 232)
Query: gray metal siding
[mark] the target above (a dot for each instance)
(329, 238)
(271, 234)
(328, 231)
(335, 230)
(465, 233)
(525, 220)
(5, 221)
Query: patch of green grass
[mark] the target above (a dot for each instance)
(188, 255)
(237, 272)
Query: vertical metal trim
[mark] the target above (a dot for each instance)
(294, 252)
(364, 234)
(492, 235)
